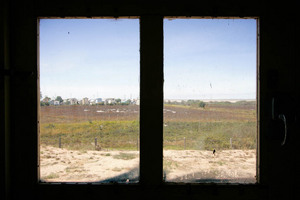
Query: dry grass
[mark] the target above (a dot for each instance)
(178, 166)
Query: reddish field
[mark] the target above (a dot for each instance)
(209, 113)
(77, 113)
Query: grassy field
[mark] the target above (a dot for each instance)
(222, 125)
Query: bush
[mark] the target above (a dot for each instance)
(202, 104)
(44, 103)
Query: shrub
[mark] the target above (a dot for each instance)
(202, 104)
(125, 156)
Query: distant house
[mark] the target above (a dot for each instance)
(109, 101)
(85, 101)
(126, 101)
(92, 102)
(73, 101)
(66, 101)
(51, 102)
(70, 101)
(54, 103)
(137, 102)
(98, 100)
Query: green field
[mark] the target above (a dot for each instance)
(221, 125)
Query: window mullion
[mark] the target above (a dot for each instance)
(151, 94)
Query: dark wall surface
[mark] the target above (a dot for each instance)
(278, 77)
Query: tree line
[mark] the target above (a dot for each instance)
(190, 102)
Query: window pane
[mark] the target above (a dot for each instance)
(89, 91)
(210, 126)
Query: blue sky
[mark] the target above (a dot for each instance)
(210, 59)
(89, 58)
(203, 59)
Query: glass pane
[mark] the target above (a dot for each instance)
(89, 91)
(210, 124)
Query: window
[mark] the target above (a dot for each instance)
(276, 53)
(89, 98)
(89, 130)
(210, 123)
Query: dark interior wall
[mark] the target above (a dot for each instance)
(278, 77)
(2, 130)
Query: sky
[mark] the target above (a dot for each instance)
(99, 58)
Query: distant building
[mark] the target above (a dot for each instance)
(73, 101)
(137, 102)
(98, 100)
(124, 100)
(54, 103)
(92, 101)
(109, 101)
(95, 101)
(85, 101)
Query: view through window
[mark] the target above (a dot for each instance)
(210, 124)
(89, 97)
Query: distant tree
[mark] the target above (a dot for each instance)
(44, 103)
(58, 98)
(118, 101)
(46, 99)
(128, 101)
(202, 104)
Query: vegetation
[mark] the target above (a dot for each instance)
(52, 176)
(125, 156)
(58, 98)
(210, 135)
(109, 134)
(193, 103)
(44, 103)
(221, 125)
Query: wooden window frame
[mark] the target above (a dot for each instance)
(151, 117)
(24, 181)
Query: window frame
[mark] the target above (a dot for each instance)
(257, 108)
(39, 180)
(25, 63)
(151, 102)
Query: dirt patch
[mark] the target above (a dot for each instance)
(227, 165)
(61, 165)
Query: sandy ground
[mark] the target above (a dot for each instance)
(61, 165)
(201, 166)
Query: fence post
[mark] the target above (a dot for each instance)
(95, 142)
(184, 143)
(231, 143)
(59, 142)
